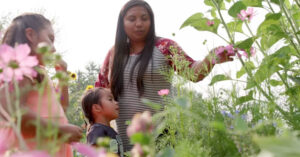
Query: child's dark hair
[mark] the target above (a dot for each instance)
(91, 97)
(16, 31)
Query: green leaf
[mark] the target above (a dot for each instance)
(235, 26)
(246, 44)
(153, 105)
(244, 99)
(270, 65)
(240, 124)
(253, 3)
(236, 8)
(200, 23)
(211, 4)
(286, 145)
(298, 32)
(270, 19)
(183, 101)
(140, 138)
(296, 17)
(272, 34)
(275, 83)
(249, 65)
(295, 79)
(218, 78)
(276, 2)
(167, 152)
(218, 125)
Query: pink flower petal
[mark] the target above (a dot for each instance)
(34, 153)
(22, 51)
(85, 149)
(163, 92)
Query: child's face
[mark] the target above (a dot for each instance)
(110, 107)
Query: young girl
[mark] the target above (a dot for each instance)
(33, 29)
(100, 107)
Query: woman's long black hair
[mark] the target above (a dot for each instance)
(122, 51)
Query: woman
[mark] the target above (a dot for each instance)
(132, 67)
(32, 29)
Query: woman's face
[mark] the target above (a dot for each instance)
(137, 23)
(46, 35)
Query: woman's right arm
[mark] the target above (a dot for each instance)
(103, 76)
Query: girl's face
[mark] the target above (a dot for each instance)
(46, 35)
(110, 107)
(137, 23)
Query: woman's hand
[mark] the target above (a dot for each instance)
(222, 54)
(74, 132)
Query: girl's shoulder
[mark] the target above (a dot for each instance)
(164, 45)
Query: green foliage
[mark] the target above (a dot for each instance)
(200, 23)
(236, 8)
(218, 78)
(77, 89)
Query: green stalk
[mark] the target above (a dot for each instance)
(223, 21)
(247, 70)
(284, 82)
(283, 8)
(17, 105)
(282, 23)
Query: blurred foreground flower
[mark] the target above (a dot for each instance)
(140, 123)
(90, 151)
(163, 92)
(210, 23)
(246, 14)
(137, 150)
(34, 153)
(16, 62)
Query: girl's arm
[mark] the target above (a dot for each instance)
(64, 98)
(29, 116)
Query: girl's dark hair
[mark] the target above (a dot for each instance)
(122, 51)
(91, 97)
(15, 34)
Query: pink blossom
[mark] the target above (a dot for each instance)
(210, 23)
(252, 52)
(163, 92)
(140, 123)
(34, 153)
(16, 62)
(88, 150)
(137, 150)
(246, 14)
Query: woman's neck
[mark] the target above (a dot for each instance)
(136, 47)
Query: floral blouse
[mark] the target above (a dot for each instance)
(163, 44)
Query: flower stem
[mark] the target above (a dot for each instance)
(280, 76)
(283, 8)
(223, 21)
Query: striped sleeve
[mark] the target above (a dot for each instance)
(169, 47)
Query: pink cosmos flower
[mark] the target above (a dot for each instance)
(34, 153)
(210, 23)
(137, 150)
(246, 14)
(252, 52)
(140, 123)
(16, 62)
(163, 92)
(88, 150)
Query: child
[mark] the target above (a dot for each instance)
(100, 107)
(32, 29)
